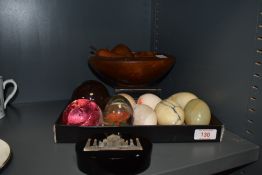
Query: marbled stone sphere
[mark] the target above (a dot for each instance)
(144, 115)
(182, 98)
(169, 113)
(197, 112)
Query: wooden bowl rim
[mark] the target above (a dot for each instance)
(131, 60)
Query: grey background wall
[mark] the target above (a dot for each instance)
(216, 48)
(214, 43)
(44, 46)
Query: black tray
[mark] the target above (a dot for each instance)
(157, 134)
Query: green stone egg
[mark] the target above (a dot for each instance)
(197, 112)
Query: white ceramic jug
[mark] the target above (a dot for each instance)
(4, 102)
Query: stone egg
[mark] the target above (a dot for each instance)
(169, 113)
(82, 112)
(149, 99)
(92, 90)
(118, 111)
(129, 98)
(197, 112)
(182, 98)
(144, 115)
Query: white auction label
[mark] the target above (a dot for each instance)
(205, 134)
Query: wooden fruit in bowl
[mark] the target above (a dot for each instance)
(131, 72)
(119, 50)
(105, 53)
(122, 50)
(144, 54)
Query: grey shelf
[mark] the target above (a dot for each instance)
(28, 129)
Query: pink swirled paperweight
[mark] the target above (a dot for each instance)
(82, 112)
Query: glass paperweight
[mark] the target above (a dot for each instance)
(82, 112)
(118, 112)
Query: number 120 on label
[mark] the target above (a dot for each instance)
(205, 134)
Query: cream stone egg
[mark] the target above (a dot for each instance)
(182, 98)
(129, 98)
(149, 99)
(5, 152)
(169, 113)
(144, 115)
(197, 112)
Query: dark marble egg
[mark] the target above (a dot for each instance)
(92, 90)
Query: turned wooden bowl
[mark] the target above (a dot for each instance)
(131, 72)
